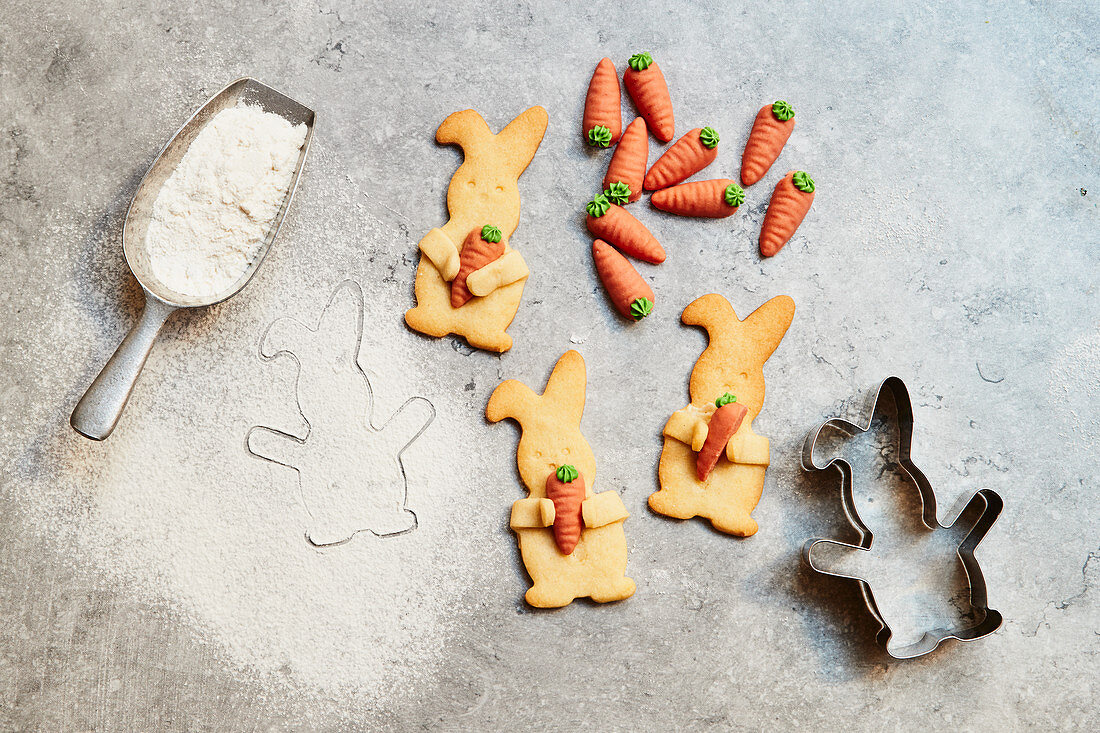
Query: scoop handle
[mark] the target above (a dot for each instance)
(98, 411)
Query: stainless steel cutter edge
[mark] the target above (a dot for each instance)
(989, 501)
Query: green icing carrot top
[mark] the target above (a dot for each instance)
(734, 195)
(567, 474)
(803, 181)
(640, 61)
(599, 136)
(725, 400)
(640, 308)
(709, 137)
(783, 111)
(618, 193)
(598, 206)
(490, 233)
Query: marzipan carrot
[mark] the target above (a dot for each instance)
(687, 156)
(616, 225)
(631, 294)
(723, 424)
(790, 201)
(603, 120)
(648, 89)
(481, 247)
(770, 130)
(565, 487)
(715, 199)
(629, 161)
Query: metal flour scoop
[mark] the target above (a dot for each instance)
(98, 411)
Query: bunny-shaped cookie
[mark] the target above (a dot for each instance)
(551, 438)
(732, 363)
(350, 472)
(484, 191)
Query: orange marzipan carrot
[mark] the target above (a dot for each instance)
(477, 251)
(603, 106)
(789, 204)
(631, 294)
(715, 199)
(690, 154)
(646, 84)
(567, 497)
(616, 225)
(770, 130)
(629, 161)
(723, 424)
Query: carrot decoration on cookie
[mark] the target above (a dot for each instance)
(565, 487)
(616, 225)
(481, 247)
(631, 294)
(723, 424)
(770, 130)
(629, 161)
(790, 201)
(690, 154)
(648, 89)
(715, 199)
(603, 121)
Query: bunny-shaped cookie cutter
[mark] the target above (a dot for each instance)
(986, 503)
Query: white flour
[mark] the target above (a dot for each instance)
(210, 218)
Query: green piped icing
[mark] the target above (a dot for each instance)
(709, 137)
(641, 61)
(803, 181)
(599, 136)
(567, 474)
(735, 195)
(640, 308)
(783, 111)
(724, 400)
(618, 192)
(490, 233)
(598, 206)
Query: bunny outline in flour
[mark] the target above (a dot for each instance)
(986, 504)
(380, 505)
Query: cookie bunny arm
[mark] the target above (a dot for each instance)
(498, 273)
(442, 252)
(748, 448)
(532, 512)
(602, 509)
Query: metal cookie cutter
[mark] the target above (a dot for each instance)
(987, 503)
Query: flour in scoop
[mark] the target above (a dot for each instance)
(212, 214)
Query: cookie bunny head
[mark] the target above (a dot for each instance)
(484, 188)
(734, 359)
(550, 423)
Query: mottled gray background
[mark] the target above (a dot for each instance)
(953, 241)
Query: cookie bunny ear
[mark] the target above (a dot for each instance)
(714, 313)
(521, 138)
(765, 327)
(512, 398)
(467, 129)
(566, 386)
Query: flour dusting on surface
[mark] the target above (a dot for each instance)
(212, 214)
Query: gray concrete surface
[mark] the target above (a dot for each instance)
(953, 242)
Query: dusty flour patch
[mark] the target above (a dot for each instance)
(173, 510)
